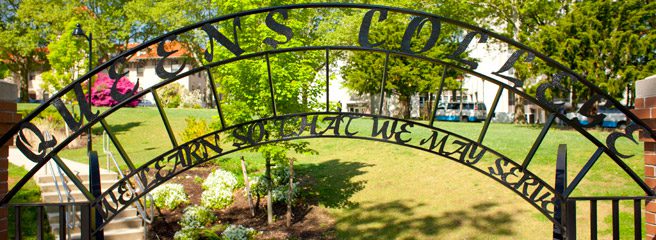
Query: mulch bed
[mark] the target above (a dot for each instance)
(309, 220)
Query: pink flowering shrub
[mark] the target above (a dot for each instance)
(102, 87)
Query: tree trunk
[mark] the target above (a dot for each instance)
(372, 104)
(404, 105)
(520, 118)
(24, 83)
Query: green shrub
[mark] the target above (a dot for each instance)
(216, 198)
(194, 129)
(187, 234)
(196, 217)
(280, 187)
(171, 95)
(238, 232)
(169, 196)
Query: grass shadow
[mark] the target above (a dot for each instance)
(330, 183)
(116, 128)
(397, 220)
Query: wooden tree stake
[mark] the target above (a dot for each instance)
(290, 193)
(248, 186)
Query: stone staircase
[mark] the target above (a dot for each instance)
(126, 225)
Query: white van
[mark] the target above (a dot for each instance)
(470, 112)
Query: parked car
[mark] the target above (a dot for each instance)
(145, 103)
(471, 112)
(614, 118)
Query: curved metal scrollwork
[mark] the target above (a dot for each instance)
(509, 173)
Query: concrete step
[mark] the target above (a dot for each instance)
(53, 197)
(120, 234)
(51, 187)
(53, 215)
(105, 176)
(115, 224)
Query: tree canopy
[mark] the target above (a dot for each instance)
(611, 43)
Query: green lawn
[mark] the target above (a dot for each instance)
(383, 191)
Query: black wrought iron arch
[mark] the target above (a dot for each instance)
(444, 143)
(41, 157)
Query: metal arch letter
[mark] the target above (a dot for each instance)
(24, 145)
(114, 93)
(66, 115)
(278, 28)
(161, 51)
(464, 45)
(556, 82)
(84, 104)
(586, 110)
(628, 133)
(417, 24)
(510, 63)
(214, 34)
(363, 37)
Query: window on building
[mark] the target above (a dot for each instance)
(140, 68)
(511, 99)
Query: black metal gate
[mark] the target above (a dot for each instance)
(552, 200)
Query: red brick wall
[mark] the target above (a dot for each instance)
(645, 109)
(8, 118)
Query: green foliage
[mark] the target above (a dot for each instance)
(216, 198)
(611, 43)
(196, 224)
(170, 95)
(196, 217)
(66, 58)
(187, 234)
(4, 70)
(20, 42)
(30, 193)
(405, 76)
(194, 129)
(238, 232)
(279, 187)
(169, 196)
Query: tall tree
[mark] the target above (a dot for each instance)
(519, 19)
(405, 76)
(611, 43)
(105, 20)
(21, 44)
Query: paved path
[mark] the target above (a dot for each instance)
(17, 158)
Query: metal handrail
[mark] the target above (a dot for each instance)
(147, 218)
(70, 211)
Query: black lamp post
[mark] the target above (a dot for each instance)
(79, 32)
(94, 167)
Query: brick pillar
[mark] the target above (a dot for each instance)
(645, 109)
(8, 117)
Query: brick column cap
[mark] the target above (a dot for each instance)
(8, 92)
(645, 87)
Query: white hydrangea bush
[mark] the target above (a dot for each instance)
(169, 196)
(216, 198)
(238, 232)
(220, 179)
